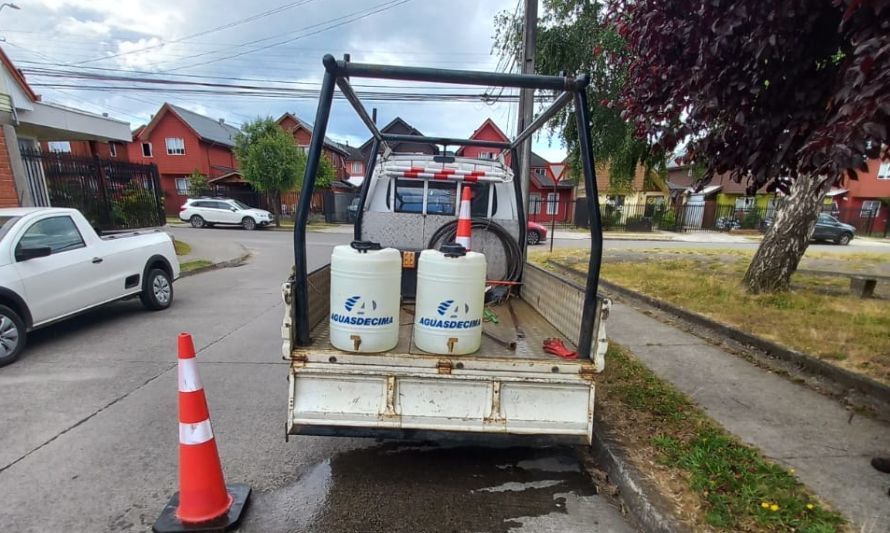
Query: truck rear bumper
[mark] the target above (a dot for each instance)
(422, 402)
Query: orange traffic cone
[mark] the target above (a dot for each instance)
(203, 500)
(464, 220)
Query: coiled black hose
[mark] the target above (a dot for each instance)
(512, 252)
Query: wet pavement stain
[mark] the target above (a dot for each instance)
(418, 488)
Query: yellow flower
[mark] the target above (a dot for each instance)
(765, 505)
(773, 507)
(791, 470)
(810, 506)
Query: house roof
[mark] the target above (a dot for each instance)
(206, 128)
(308, 127)
(352, 153)
(537, 161)
(392, 124)
(18, 76)
(546, 182)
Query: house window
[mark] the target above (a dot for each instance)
(146, 150)
(175, 146)
(486, 155)
(356, 168)
(305, 148)
(540, 171)
(744, 202)
(112, 150)
(182, 186)
(552, 203)
(534, 203)
(61, 147)
(884, 171)
(870, 208)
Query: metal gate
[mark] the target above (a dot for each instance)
(112, 195)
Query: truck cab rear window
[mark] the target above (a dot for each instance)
(441, 198)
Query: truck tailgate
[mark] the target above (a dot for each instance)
(398, 399)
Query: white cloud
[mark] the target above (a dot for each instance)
(454, 34)
(83, 28)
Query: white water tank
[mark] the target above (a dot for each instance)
(365, 297)
(450, 300)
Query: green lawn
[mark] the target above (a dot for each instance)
(715, 481)
(182, 248)
(818, 316)
(188, 266)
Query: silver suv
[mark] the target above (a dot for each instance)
(200, 212)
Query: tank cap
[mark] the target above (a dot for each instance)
(363, 246)
(453, 249)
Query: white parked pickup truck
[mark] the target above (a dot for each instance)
(53, 265)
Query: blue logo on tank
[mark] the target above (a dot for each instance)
(355, 303)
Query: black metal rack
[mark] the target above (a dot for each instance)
(338, 72)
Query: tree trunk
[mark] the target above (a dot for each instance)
(276, 200)
(787, 239)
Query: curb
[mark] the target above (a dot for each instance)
(874, 390)
(643, 502)
(238, 261)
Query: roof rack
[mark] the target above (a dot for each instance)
(339, 72)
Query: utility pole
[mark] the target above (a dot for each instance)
(527, 96)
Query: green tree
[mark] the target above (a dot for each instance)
(326, 174)
(269, 160)
(198, 185)
(574, 36)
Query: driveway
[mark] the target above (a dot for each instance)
(89, 418)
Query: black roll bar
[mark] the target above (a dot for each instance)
(363, 192)
(338, 73)
(350, 95)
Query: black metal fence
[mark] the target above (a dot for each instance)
(712, 217)
(112, 195)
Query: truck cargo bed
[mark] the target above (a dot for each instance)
(527, 331)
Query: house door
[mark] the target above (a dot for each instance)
(34, 171)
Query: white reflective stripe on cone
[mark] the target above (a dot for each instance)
(464, 210)
(189, 381)
(463, 241)
(195, 433)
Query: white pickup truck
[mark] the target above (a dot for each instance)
(53, 265)
(509, 388)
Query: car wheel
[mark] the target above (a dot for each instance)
(248, 223)
(844, 239)
(12, 335)
(197, 221)
(533, 237)
(157, 290)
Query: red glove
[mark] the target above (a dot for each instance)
(557, 348)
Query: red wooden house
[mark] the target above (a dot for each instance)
(550, 198)
(863, 204)
(302, 132)
(179, 142)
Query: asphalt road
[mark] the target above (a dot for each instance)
(89, 427)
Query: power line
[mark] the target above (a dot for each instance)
(226, 26)
(358, 15)
(81, 74)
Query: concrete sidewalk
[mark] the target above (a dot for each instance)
(828, 446)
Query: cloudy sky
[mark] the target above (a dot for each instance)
(264, 43)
